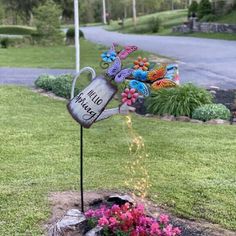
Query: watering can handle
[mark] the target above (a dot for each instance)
(89, 69)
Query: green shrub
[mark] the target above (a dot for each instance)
(204, 8)
(48, 23)
(61, 86)
(15, 42)
(70, 34)
(45, 82)
(154, 24)
(16, 30)
(5, 42)
(208, 18)
(178, 101)
(211, 111)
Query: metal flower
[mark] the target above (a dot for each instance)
(140, 75)
(108, 56)
(157, 74)
(129, 96)
(141, 63)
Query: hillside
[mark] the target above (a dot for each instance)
(168, 19)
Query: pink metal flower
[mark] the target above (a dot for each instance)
(164, 219)
(103, 221)
(129, 96)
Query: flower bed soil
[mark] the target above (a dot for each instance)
(61, 202)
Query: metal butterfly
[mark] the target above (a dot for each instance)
(115, 71)
(126, 52)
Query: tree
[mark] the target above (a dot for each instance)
(48, 23)
(204, 8)
(193, 8)
(134, 12)
(67, 7)
(24, 8)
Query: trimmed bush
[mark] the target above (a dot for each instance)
(212, 111)
(61, 86)
(16, 30)
(5, 42)
(178, 101)
(71, 33)
(45, 82)
(15, 42)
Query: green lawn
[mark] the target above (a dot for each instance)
(192, 167)
(168, 18)
(207, 35)
(56, 57)
(229, 18)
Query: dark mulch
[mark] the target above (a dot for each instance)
(226, 97)
(61, 202)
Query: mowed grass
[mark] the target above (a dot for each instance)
(192, 167)
(168, 18)
(57, 57)
(222, 36)
(229, 18)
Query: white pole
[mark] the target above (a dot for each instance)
(104, 12)
(77, 43)
(134, 12)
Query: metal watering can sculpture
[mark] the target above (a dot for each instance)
(89, 105)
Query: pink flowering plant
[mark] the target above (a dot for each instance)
(128, 220)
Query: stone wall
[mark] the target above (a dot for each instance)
(205, 27)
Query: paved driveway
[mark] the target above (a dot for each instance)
(205, 62)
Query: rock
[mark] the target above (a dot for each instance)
(157, 116)
(183, 118)
(214, 88)
(121, 199)
(212, 92)
(97, 231)
(217, 122)
(73, 223)
(149, 115)
(168, 118)
(196, 121)
(206, 27)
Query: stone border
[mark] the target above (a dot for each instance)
(164, 117)
(187, 119)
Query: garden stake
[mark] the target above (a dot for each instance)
(93, 73)
(81, 169)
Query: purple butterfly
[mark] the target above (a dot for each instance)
(115, 71)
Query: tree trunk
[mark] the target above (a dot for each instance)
(134, 13)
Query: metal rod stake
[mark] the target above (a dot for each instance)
(93, 75)
(81, 169)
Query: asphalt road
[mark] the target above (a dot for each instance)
(206, 62)
(26, 76)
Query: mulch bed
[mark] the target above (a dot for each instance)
(61, 202)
